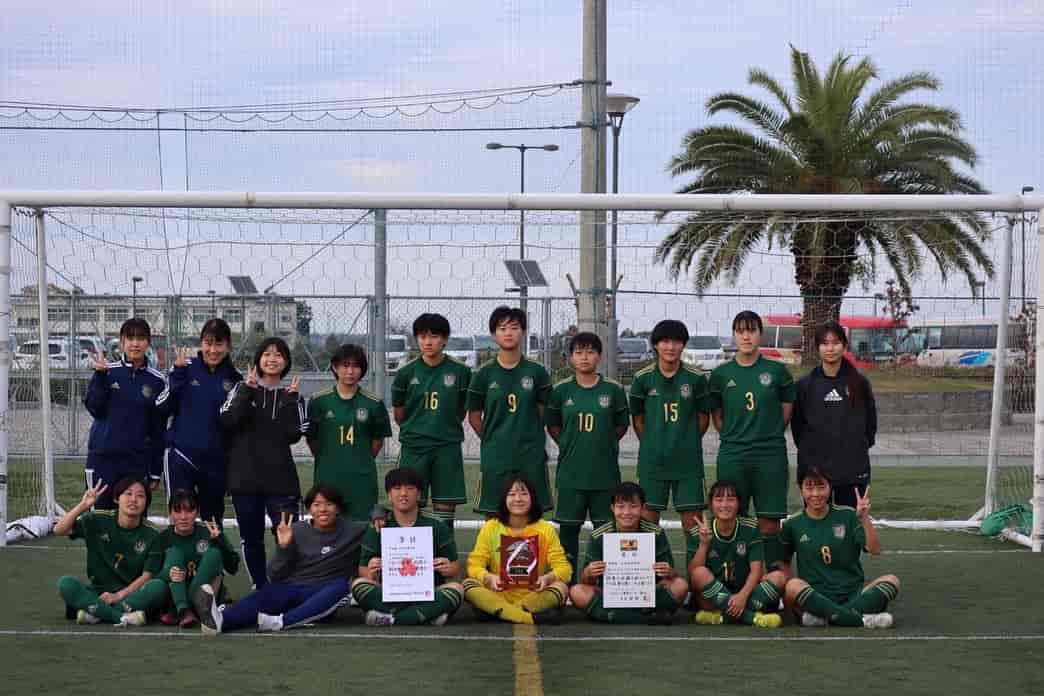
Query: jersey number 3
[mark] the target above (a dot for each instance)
(749, 396)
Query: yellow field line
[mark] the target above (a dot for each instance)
(529, 677)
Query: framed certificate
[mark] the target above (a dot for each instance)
(407, 574)
(519, 561)
(629, 581)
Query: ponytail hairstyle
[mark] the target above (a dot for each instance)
(853, 380)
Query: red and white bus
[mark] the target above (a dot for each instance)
(870, 339)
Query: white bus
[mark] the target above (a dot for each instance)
(960, 342)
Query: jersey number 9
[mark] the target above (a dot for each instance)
(512, 403)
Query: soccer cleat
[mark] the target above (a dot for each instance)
(440, 620)
(882, 620)
(708, 618)
(767, 620)
(169, 619)
(379, 618)
(207, 610)
(86, 618)
(188, 619)
(269, 623)
(132, 618)
(548, 617)
(812, 620)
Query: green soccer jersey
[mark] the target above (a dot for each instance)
(116, 556)
(343, 432)
(512, 429)
(433, 399)
(442, 538)
(588, 449)
(751, 401)
(827, 550)
(671, 447)
(729, 558)
(595, 551)
(194, 545)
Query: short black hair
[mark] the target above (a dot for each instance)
(628, 490)
(327, 491)
(182, 500)
(281, 346)
(831, 328)
(536, 508)
(126, 482)
(403, 476)
(349, 353)
(431, 323)
(218, 329)
(722, 487)
(586, 339)
(813, 471)
(136, 327)
(504, 314)
(748, 320)
(669, 329)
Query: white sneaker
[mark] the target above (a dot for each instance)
(379, 618)
(86, 618)
(882, 620)
(269, 623)
(208, 611)
(812, 620)
(440, 620)
(133, 618)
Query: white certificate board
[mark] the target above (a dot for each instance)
(629, 581)
(406, 564)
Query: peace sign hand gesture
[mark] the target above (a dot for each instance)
(251, 380)
(99, 363)
(295, 385)
(706, 533)
(284, 532)
(862, 503)
(184, 353)
(90, 496)
(213, 528)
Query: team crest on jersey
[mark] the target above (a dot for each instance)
(603, 401)
(202, 545)
(449, 380)
(765, 378)
(325, 550)
(527, 383)
(804, 539)
(839, 531)
(139, 546)
(194, 383)
(741, 549)
(686, 391)
(227, 385)
(146, 391)
(361, 414)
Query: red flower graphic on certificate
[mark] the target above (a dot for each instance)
(407, 567)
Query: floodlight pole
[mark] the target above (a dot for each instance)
(618, 105)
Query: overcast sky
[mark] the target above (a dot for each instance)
(673, 54)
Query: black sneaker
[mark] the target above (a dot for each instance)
(207, 610)
(549, 617)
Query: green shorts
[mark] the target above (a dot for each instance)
(359, 492)
(761, 478)
(442, 469)
(688, 494)
(574, 505)
(492, 486)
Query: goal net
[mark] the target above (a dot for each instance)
(926, 296)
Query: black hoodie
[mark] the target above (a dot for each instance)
(260, 424)
(829, 430)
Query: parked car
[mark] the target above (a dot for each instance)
(485, 347)
(633, 350)
(704, 352)
(397, 352)
(462, 348)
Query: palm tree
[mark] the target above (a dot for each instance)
(832, 136)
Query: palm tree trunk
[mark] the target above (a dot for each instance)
(824, 280)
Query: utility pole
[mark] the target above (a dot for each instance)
(592, 297)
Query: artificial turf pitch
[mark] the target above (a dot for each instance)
(970, 620)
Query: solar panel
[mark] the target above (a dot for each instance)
(243, 285)
(525, 273)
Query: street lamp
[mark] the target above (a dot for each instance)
(617, 106)
(134, 294)
(1025, 190)
(523, 292)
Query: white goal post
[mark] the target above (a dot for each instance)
(592, 208)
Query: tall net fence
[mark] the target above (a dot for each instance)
(918, 293)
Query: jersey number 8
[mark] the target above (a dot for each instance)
(824, 553)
